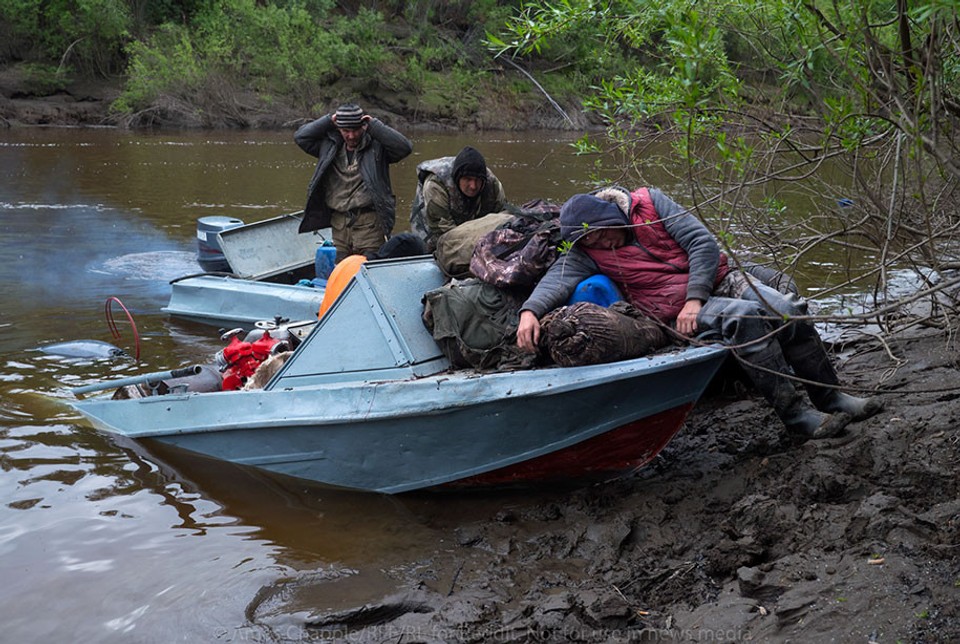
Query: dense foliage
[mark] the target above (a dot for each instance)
(293, 52)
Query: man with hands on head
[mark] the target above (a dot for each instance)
(350, 190)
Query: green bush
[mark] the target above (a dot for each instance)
(273, 49)
(165, 64)
(455, 93)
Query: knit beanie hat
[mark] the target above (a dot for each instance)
(349, 117)
(592, 211)
(469, 163)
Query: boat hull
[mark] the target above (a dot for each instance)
(400, 435)
(367, 401)
(267, 258)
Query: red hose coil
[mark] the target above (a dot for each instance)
(112, 325)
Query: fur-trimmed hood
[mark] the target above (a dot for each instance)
(601, 208)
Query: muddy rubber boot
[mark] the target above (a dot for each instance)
(801, 420)
(805, 422)
(810, 361)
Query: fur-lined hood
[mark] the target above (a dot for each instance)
(600, 209)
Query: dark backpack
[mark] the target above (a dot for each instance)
(475, 325)
(519, 252)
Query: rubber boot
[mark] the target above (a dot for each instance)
(800, 419)
(809, 361)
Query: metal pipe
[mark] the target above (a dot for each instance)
(151, 379)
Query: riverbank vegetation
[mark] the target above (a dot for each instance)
(244, 62)
(770, 104)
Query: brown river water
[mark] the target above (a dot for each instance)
(103, 540)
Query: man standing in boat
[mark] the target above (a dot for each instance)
(670, 267)
(451, 191)
(350, 189)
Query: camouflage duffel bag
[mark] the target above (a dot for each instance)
(586, 333)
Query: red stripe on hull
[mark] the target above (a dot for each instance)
(620, 450)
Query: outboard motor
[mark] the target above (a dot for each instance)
(209, 254)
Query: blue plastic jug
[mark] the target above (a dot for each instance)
(598, 289)
(325, 260)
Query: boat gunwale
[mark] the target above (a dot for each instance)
(485, 388)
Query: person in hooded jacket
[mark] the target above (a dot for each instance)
(453, 191)
(669, 266)
(350, 190)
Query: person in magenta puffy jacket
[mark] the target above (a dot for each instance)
(668, 265)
